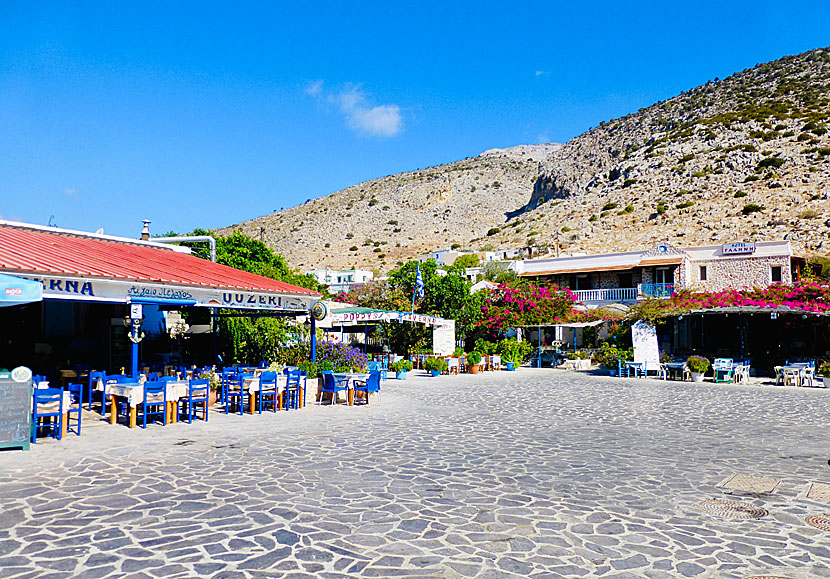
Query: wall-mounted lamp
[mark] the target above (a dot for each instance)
(773, 315)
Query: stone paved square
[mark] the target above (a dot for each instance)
(535, 473)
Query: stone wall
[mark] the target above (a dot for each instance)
(738, 272)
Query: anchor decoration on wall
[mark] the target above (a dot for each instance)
(134, 335)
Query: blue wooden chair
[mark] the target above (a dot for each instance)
(198, 392)
(233, 391)
(47, 411)
(155, 396)
(332, 386)
(92, 383)
(114, 379)
(370, 386)
(76, 394)
(268, 391)
(293, 385)
(227, 374)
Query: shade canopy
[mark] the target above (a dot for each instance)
(15, 291)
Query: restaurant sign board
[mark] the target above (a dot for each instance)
(127, 291)
(738, 248)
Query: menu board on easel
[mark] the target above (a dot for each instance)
(15, 413)
(644, 338)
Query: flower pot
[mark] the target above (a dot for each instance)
(697, 377)
(826, 380)
(435, 373)
(212, 398)
(510, 366)
(474, 369)
(400, 375)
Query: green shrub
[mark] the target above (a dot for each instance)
(751, 208)
(739, 194)
(751, 178)
(433, 364)
(685, 158)
(373, 202)
(610, 355)
(592, 218)
(565, 229)
(628, 182)
(609, 206)
(349, 235)
(824, 151)
(511, 350)
(400, 366)
(353, 248)
(661, 209)
(698, 364)
(769, 162)
(392, 222)
(808, 214)
(486, 347)
(685, 204)
(473, 358)
(824, 370)
(493, 230)
(628, 209)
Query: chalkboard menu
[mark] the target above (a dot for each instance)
(15, 413)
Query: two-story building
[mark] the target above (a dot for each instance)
(658, 271)
(341, 281)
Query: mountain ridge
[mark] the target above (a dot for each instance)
(745, 158)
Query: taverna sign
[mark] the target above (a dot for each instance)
(738, 248)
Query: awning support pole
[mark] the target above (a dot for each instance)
(313, 339)
(539, 344)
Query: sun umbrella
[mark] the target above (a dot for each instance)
(15, 291)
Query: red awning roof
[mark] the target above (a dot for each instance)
(59, 253)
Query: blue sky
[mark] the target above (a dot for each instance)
(206, 114)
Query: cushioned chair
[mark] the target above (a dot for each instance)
(47, 411)
(76, 394)
(332, 386)
(198, 393)
(268, 391)
(370, 386)
(155, 397)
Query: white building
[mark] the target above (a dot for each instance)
(658, 271)
(340, 281)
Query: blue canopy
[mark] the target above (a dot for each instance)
(16, 291)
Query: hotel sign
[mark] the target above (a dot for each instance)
(738, 248)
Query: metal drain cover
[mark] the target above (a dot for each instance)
(749, 483)
(819, 521)
(819, 492)
(732, 509)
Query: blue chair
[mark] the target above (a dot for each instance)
(268, 391)
(227, 373)
(47, 405)
(155, 396)
(233, 391)
(76, 394)
(198, 392)
(370, 385)
(38, 378)
(331, 385)
(294, 384)
(93, 382)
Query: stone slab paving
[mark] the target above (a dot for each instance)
(535, 473)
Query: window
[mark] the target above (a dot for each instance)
(625, 280)
(775, 273)
(703, 273)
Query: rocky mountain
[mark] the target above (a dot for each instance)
(746, 158)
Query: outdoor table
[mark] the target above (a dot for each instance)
(351, 377)
(134, 393)
(674, 368)
(799, 368)
(637, 367)
(252, 386)
(67, 402)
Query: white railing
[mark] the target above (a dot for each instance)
(616, 294)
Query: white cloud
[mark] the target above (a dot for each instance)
(71, 192)
(542, 73)
(314, 88)
(362, 115)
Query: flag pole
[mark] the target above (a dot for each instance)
(414, 291)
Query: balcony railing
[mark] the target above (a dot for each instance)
(611, 295)
(656, 290)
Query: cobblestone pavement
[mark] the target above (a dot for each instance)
(535, 473)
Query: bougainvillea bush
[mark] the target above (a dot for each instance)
(526, 305)
(812, 297)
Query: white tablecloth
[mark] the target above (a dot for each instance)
(134, 392)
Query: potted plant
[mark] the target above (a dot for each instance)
(473, 360)
(435, 366)
(698, 366)
(400, 368)
(215, 383)
(824, 370)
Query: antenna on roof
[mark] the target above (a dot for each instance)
(99, 231)
(51, 224)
